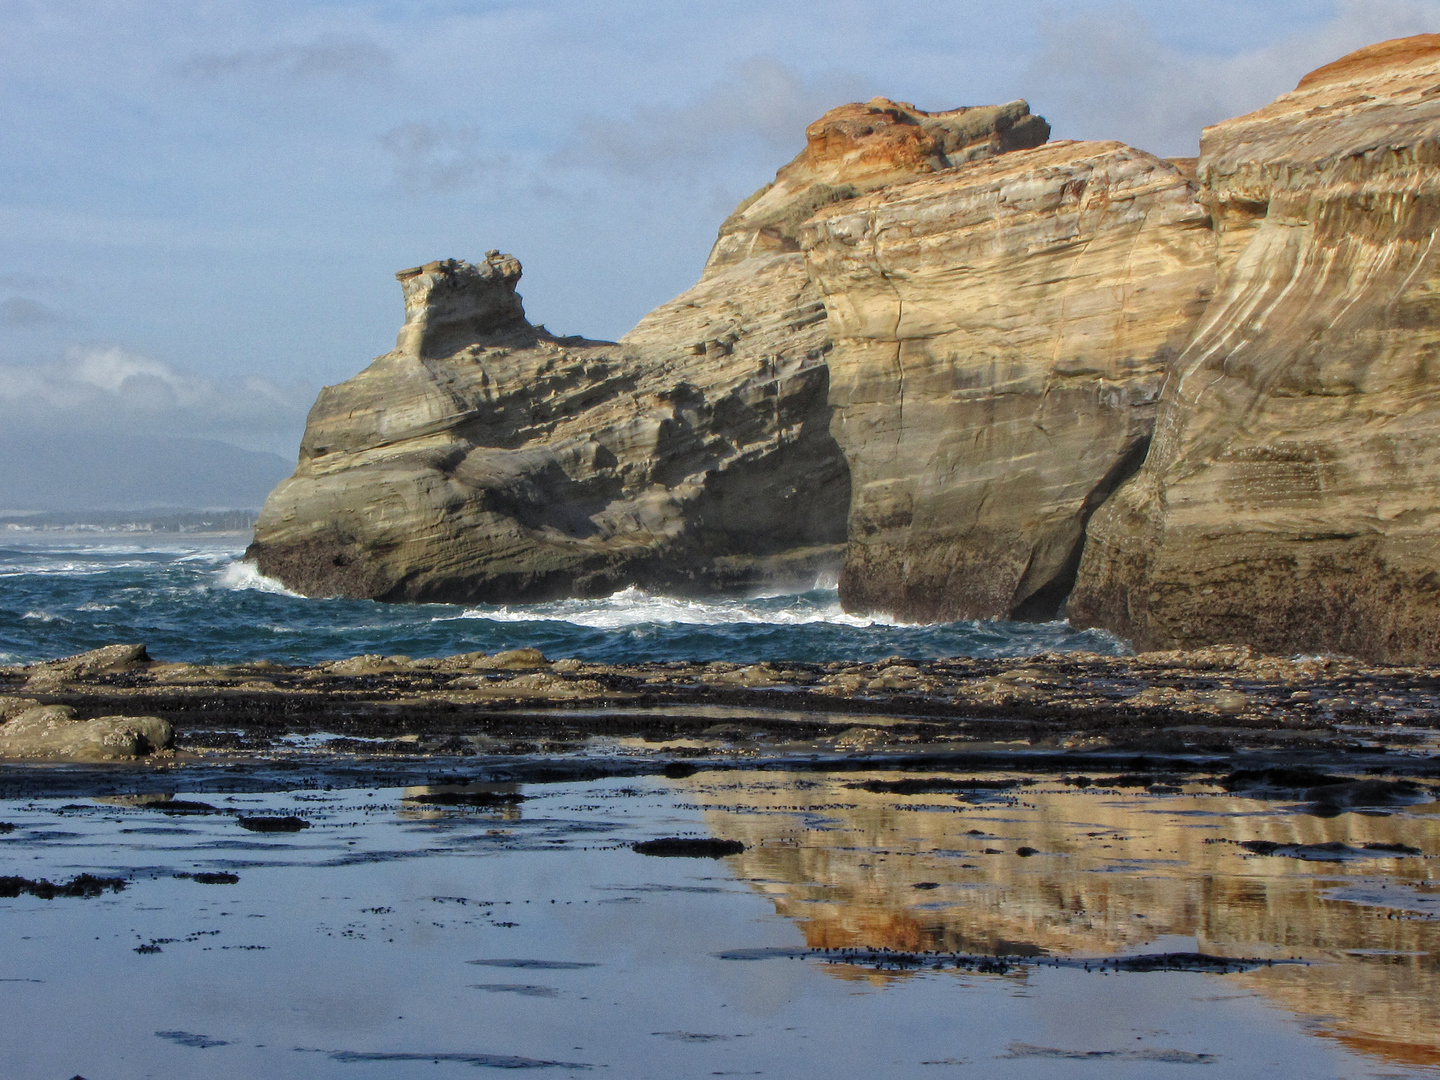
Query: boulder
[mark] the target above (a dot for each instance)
(1002, 332)
(1288, 502)
(51, 732)
(14, 706)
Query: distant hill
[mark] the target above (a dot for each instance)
(132, 473)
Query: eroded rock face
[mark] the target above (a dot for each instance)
(861, 147)
(1289, 500)
(1002, 332)
(487, 460)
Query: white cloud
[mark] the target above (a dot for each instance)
(109, 389)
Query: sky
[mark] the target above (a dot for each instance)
(203, 202)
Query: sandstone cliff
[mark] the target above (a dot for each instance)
(1289, 499)
(484, 459)
(1002, 332)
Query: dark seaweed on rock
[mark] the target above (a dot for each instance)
(689, 847)
(1333, 799)
(467, 798)
(218, 878)
(86, 886)
(1393, 849)
(1285, 778)
(273, 824)
(889, 959)
(1327, 794)
(183, 806)
(926, 785)
(1334, 851)
(544, 965)
(483, 1061)
(190, 1039)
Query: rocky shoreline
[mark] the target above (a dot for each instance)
(1148, 717)
(976, 373)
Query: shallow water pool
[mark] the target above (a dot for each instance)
(395, 937)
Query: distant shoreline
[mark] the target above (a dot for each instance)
(10, 534)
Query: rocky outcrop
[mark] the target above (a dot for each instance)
(858, 148)
(108, 660)
(1289, 499)
(54, 733)
(485, 459)
(940, 342)
(1002, 332)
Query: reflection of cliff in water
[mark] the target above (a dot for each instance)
(1113, 873)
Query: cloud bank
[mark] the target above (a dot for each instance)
(110, 391)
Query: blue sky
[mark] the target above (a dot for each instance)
(203, 202)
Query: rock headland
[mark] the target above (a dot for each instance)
(487, 459)
(978, 373)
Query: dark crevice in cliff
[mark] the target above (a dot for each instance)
(1048, 601)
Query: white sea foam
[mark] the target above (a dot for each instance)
(636, 607)
(241, 575)
(44, 616)
(95, 606)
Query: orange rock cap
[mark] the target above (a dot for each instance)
(1391, 53)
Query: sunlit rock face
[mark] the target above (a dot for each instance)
(1002, 332)
(1288, 501)
(486, 459)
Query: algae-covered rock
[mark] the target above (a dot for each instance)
(102, 661)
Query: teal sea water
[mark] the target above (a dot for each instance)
(194, 599)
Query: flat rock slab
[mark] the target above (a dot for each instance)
(52, 732)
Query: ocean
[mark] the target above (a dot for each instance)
(194, 599)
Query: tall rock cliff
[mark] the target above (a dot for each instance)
(1002, 332)
(484, 459)
(1289, 499)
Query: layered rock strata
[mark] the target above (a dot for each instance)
(1002, 332)
(485, 459)
(1289, 499)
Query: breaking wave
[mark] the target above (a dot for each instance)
(204, 603)
(241, 575)
(636, 607)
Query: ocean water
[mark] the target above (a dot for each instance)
(194, 599)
